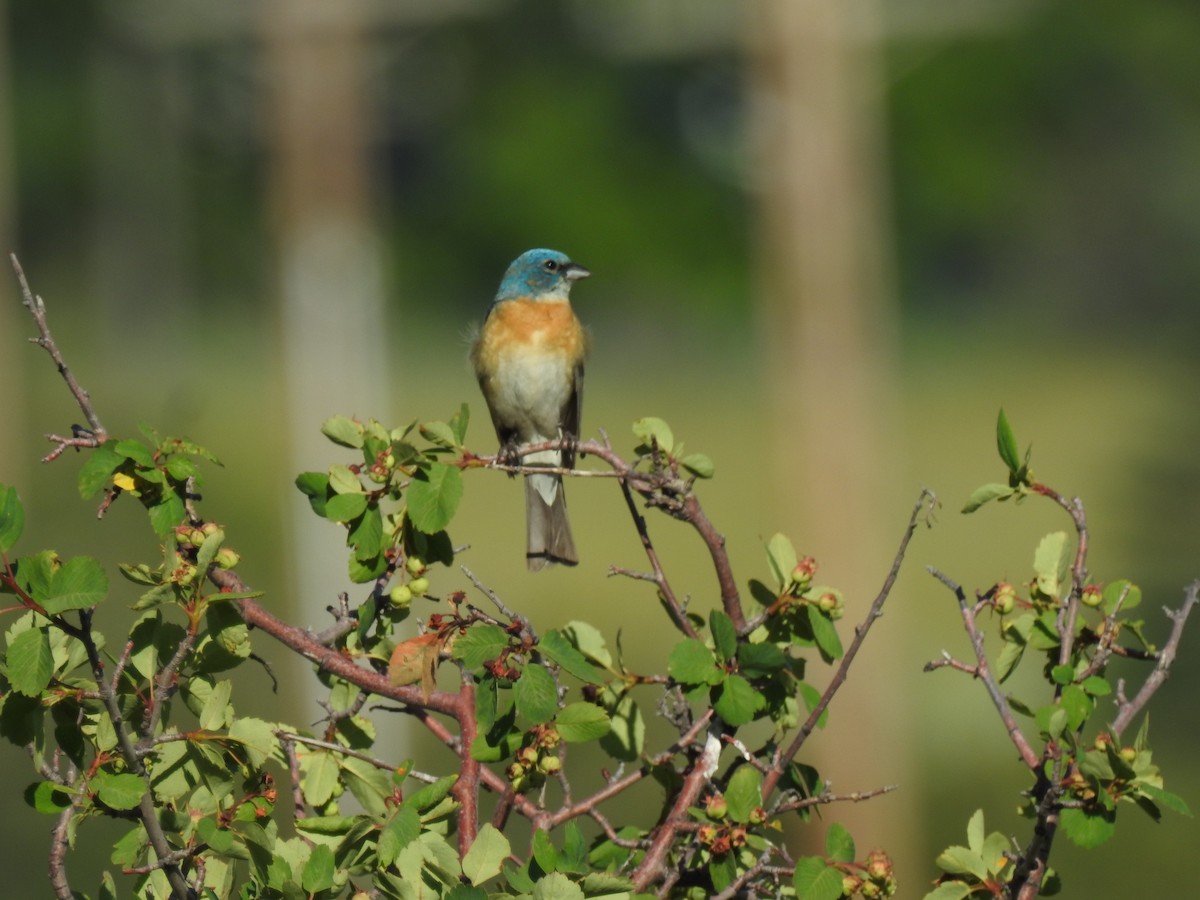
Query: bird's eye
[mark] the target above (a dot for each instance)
(550, 265)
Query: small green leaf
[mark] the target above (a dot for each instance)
(481, 643)
(1115, 590)
(425, 797)
(691, 662)
(760, 659)
(1088, 828)
(402, 829)
(319, 870)
(315, 486)
(343, 481)
(536, 695)
(699, 465)
(653, 430)
(588, 640)
(345, 507)
(737, 701)
(344, 431)
(839, 845)
(30, 662)
(1165, 798)
(1049, 560)
(487, 854)
(950, 890)
(48, 797)
(814, 880)
(1007, 444)
(824, 633)
(167, 514)
(556, 647)
(459, 422)
(439, 433)
(256, 737)
(1096, 686)
(1078, 705)
(98, 468)
(12, 517)
(137, 451)
(544, 852)
(744, 793)
(557, 886)
(961, 861)
(579, 722)
(724, 634)
(627, 735)
(122, 791)
(782, 557)
(1062, 674)
(433, 497)
(975, 832)
(985, 494)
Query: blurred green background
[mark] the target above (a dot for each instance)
(829, 239)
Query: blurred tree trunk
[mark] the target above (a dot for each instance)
(328, 266)
(829, 323)
(13, 434)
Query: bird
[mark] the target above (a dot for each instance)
(528, 356)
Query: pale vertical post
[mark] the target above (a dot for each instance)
(827, 318)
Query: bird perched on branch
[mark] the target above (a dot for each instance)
(528, 358)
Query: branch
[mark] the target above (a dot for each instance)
(1128, 709)
(782, 757)
(984, 673)
(97, 433)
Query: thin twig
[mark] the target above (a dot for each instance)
(782, 757)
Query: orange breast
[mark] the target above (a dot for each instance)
(528, 326)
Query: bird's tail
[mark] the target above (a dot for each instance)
(549, 531)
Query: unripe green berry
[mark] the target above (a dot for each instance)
(401, 595)
(1091, 596)
(227, 558)
(548, 765)
(414, 565)
(1128, 754)
(1004, 600)
(419, 585)
(716, 807)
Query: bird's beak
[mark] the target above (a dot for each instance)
(574, 271)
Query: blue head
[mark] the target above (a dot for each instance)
(540, 275)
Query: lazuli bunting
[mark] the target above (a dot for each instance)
(528, 357)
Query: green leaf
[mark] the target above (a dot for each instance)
(588, 640)
(1008, 657)
(97, 469)
(760, 659)
(137, 451)
(319, 870)
(343, 481)
(985, 494)
(345, 507)
(654, 430)
(950, 890)
(1088, 828)
(425, 797)
(122, 791)
(344, 431)
(557, 886)
(402, 829)
(315, 486)
(536, 694)
(1078, 705)
(579, 722)
(737, 701)
(487, 854)
(839, 845)
(627, 735)
(1062, 674)
(1049, 560)
(975, 832)
(1007, 444)
(782, 557)
(48, 797)
(557, 647)
(256, 737)
(481, 643)
(79, 583)
(439, 433)
(1096, 686)
(962, 861)
(12, 517)
(1113, 592)
(433, 497)
(167, 514)
(814, 880)
(744, 793)
(544, 852)
(824, 633)
(366, 534)
(724, 634)
(458, 424)
(699, 465)
(30, 662)
(1165, 798)
(691, 662)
